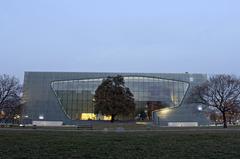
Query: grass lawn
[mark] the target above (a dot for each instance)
(43, 144)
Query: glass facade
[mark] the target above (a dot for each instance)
(150, 93)
(68, 96)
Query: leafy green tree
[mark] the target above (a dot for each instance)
(113, 98)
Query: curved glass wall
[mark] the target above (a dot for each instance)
(76, 96)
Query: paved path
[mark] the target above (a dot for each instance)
(180, 130)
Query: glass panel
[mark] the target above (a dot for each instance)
(76, 96)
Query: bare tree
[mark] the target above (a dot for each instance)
(221, 92)
(10, 96)
(233, 114)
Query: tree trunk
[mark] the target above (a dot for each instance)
(112, 118)
(224, 120)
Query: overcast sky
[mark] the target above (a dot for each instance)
(197, 36)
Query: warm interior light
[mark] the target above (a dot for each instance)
(107, 117)
(88, 116)
(165, 111)
(92, 116)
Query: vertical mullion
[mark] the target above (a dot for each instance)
(66, 91)
(72, 112)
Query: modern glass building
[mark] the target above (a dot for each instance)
(69, 97)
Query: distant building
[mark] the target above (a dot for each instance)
(68, 97)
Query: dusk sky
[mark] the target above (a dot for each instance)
(196, 36)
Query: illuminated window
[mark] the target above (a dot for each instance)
(76, 96)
